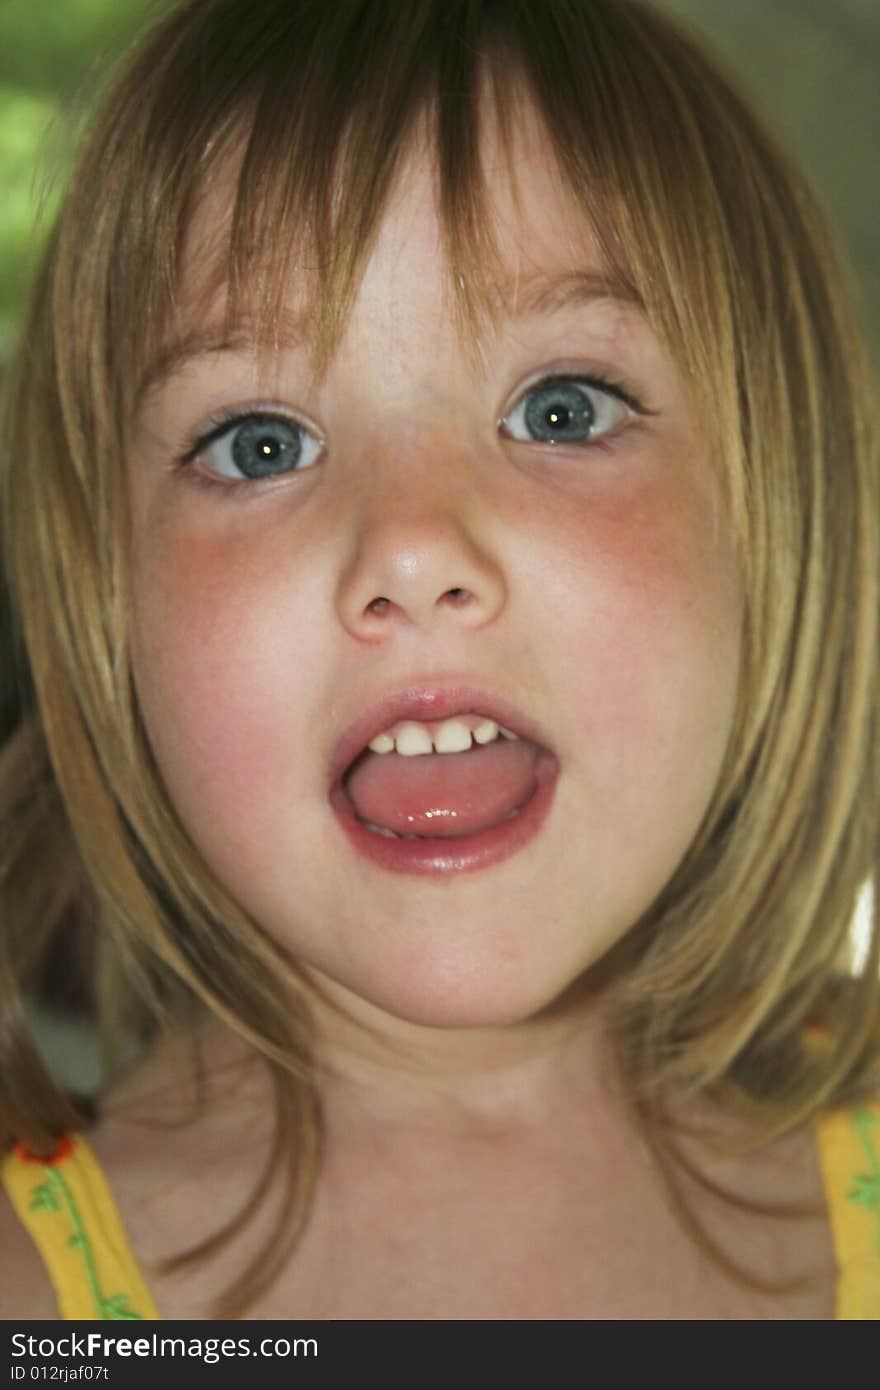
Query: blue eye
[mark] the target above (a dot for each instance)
(256, 446)
(567, 410)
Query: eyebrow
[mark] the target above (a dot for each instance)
(210, 341)
(517, 297)
(539, 291)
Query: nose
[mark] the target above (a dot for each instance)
(421, 557)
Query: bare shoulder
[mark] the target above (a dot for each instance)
(26, 1293)
(181, 1150)
(773, 1222)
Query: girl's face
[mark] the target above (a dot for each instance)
(590, 583)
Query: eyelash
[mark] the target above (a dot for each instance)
(597, 382)
(215, 427)
(221, 422)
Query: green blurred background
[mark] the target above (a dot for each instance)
(810, 65)
(49, 53)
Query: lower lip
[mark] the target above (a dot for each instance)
(463, 854)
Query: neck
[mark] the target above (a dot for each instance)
(388, 1072)
(377, 1071)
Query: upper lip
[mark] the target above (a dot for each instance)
(428, 701)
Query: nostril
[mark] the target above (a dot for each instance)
(457, 596)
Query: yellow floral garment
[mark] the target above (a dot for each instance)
(849, 1152)
(65, 1204)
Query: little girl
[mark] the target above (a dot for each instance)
(441, 497)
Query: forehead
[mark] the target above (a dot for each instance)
(530, 239)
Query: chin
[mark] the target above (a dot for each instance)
(459, 994)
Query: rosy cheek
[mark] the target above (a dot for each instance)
(654, 623)
(211, 673)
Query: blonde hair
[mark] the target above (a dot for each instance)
(701, 218)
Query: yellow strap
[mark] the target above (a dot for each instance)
(66, 1206)
(849, 1153)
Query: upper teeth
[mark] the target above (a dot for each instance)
(444, 736)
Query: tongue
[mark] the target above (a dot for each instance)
(444, 794)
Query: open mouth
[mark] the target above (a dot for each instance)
(442, 796)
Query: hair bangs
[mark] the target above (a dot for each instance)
(314, 109)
